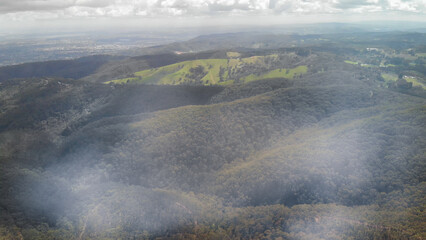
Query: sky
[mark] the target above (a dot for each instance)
(44, 15)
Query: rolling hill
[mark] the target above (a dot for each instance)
(284, 143)
(217, 71)
(278, 156)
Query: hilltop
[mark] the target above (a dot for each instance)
(305, 142)
(220, 71)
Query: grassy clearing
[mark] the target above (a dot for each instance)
(368, 65)
(387, 65)
(351, 62)
(179, 73)
(233, 54)
(278, 73)
(415, 81)
(389, 77)
(123, 80)
(362, 64)
(229, 82)
(211, 71)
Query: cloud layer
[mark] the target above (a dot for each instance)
(188, 8)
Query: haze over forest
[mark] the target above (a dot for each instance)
(212, 119)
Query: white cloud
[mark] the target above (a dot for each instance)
(408, 6)
(14, 9)
(367, 9)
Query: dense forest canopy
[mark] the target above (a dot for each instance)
(321, 140)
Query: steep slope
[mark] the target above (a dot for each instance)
(139, 161)
(76, 68)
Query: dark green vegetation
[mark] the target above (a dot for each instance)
(335, 153)
(77, 68)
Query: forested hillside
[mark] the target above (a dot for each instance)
(76, 68)
(335, 152)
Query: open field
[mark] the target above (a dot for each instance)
(213, 71)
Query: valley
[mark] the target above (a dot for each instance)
(324, 139)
